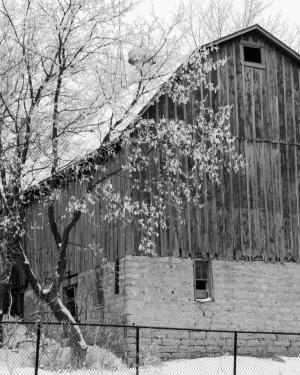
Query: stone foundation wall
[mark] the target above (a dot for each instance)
(159, 291)
(171, 344)
(253, 296)
(96, 301)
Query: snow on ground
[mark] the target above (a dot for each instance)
(201, 366)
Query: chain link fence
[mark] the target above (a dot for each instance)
(48, 348)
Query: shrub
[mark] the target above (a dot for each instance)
(55, 357)
(99, 358)
(148, 356)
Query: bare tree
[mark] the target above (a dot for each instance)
(209, 20)
(62, 74)
(205, 21)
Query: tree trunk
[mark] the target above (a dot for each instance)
(61, 313)
(52, 299)
(76, 340)
(1, 331)
(4, 297)
(16, 256)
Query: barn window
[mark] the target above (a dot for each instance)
(202, 279)
(117, 276)
(252, 54)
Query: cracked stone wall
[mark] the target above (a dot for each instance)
(247, 296)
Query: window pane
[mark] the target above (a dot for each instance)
(201, 284)
(201, 270)
(202, 275)
(198, 266)
(198, 274)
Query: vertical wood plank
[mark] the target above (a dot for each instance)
(239, 90)
(281, 96)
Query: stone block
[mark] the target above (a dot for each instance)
(227, 335)
(198, 335)
(293, 351)
(177, 334)
(282, 343)
(198, 351)
(266, 336)
(242, 342)
(295, 338)
(170, 341)
(213, 349)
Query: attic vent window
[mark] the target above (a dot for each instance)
(252, 54)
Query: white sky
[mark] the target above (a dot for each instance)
(289, 8)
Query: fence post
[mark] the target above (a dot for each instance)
(37, 354)
(234, 352)
(137, 350)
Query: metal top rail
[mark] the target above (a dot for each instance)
(157, 327)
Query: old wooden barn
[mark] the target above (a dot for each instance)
(235, 264)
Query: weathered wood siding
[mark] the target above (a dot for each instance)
(257, 210)
(254, 214)
(116, 240)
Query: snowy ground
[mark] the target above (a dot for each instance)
(202, 366)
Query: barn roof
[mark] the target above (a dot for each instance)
(259, 30)
(264, 33)
(87, 146)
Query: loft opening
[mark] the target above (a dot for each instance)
(252, 55)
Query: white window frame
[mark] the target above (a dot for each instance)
(203, 295)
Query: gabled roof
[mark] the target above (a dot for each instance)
(264, 33)
(259, 30)
(87, 147)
